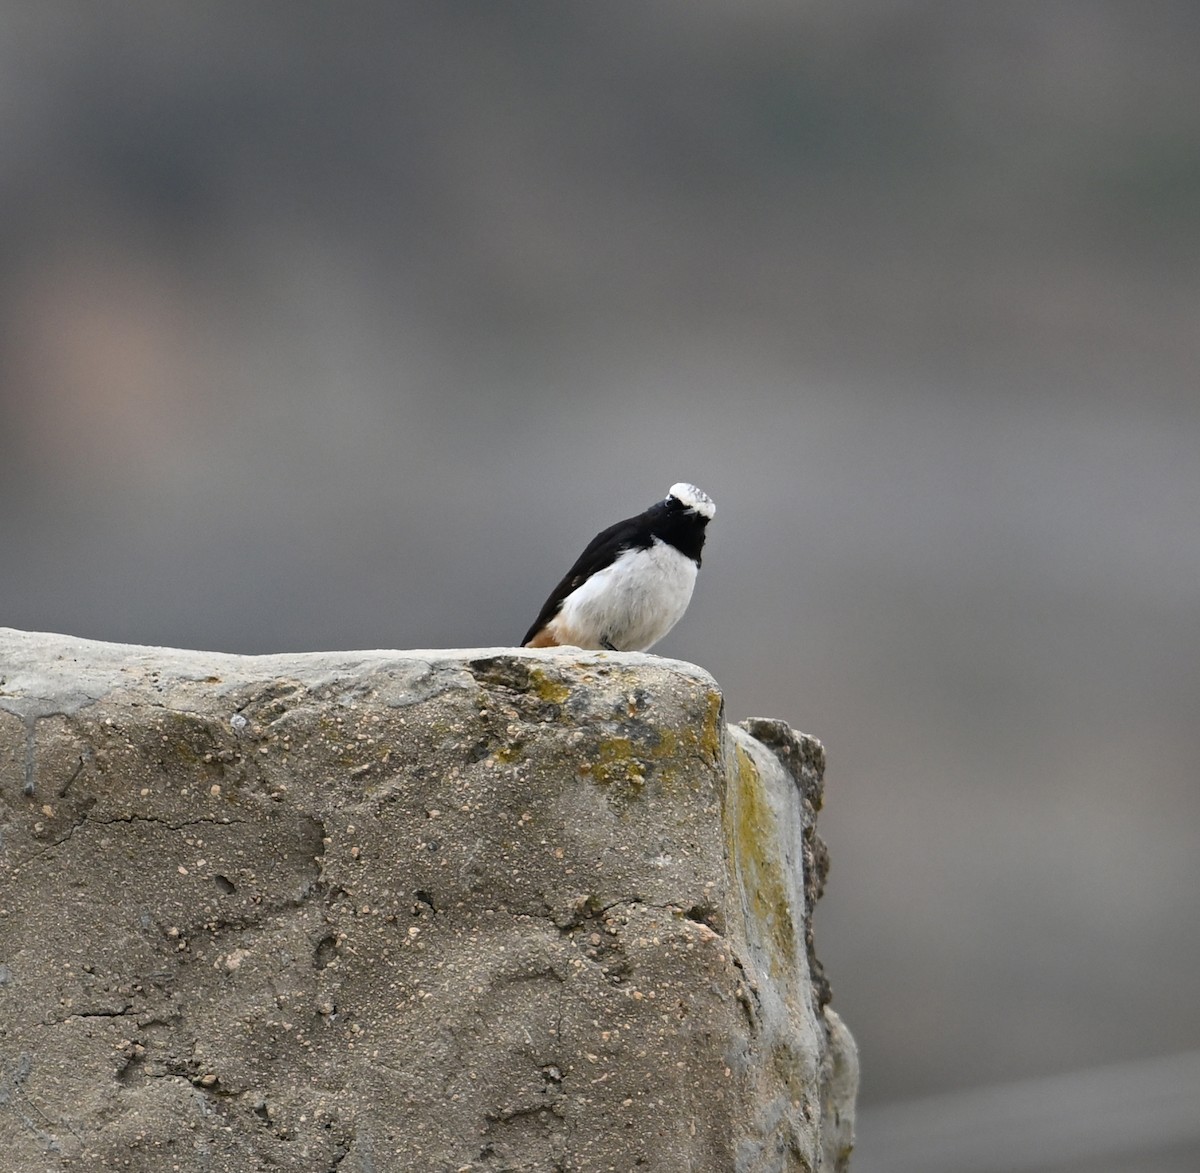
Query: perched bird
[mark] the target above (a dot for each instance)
(633, 582)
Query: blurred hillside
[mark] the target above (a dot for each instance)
(327, 328)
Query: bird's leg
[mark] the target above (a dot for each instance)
(605, 642)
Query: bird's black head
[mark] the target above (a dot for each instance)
(680, 519)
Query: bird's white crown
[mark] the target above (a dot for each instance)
(694, 498)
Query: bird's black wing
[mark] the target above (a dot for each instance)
(603, 550)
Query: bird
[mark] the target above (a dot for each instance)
(634, 580)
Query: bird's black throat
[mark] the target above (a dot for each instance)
(679, 527)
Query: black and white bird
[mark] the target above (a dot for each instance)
(633, 582)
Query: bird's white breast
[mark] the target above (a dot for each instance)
(632, 604)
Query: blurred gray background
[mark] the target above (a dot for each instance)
(336, 326)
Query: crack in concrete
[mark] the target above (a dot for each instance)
(202, 820)
(79, 1014)
(83, 757)
(86, 816)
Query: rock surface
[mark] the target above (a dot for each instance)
(455, 910)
